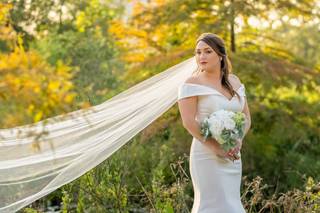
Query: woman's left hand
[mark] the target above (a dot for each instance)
(234, 151)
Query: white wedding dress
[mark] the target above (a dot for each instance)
(216, 180)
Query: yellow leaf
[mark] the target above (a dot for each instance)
(38, 116)
(53, 85)
(69, 98)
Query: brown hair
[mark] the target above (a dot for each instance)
(217, 44)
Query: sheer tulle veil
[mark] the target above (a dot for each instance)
(67, 146)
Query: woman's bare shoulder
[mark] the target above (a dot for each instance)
(192, 80)
(235, 80)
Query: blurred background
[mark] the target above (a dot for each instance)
(62, 55)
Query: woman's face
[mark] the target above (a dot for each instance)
(206, 57)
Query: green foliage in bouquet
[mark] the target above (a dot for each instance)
(229, 136)
(204, 129)
(229, 141)
(239, 119)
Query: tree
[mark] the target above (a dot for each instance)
(30, 88)
(185, 19)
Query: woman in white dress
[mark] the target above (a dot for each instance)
(216, 174)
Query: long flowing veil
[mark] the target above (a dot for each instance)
(37, 159)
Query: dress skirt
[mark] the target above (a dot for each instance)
(216, 181)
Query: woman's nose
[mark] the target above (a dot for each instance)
(202, 56)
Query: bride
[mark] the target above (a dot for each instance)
(216, 174)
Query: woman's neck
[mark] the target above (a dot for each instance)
(212, 75)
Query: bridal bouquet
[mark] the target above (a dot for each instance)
(225, 127)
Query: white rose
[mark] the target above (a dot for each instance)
(229, 124)
(215, 126)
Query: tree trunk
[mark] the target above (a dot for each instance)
(232, 33)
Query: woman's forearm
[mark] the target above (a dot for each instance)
(193, 128)
(247, 126)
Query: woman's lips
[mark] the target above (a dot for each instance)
(203, 63)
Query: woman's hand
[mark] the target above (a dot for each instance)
(218, 150)
(234, 151)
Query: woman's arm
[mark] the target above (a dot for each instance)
(246, 111)
(188, 109)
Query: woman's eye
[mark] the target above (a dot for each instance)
(208, 51)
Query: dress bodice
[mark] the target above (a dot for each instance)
(210, 100)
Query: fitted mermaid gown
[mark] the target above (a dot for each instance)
(216, 180)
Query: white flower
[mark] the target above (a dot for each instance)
(229, 123)
(223, 121)
(216, 126)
